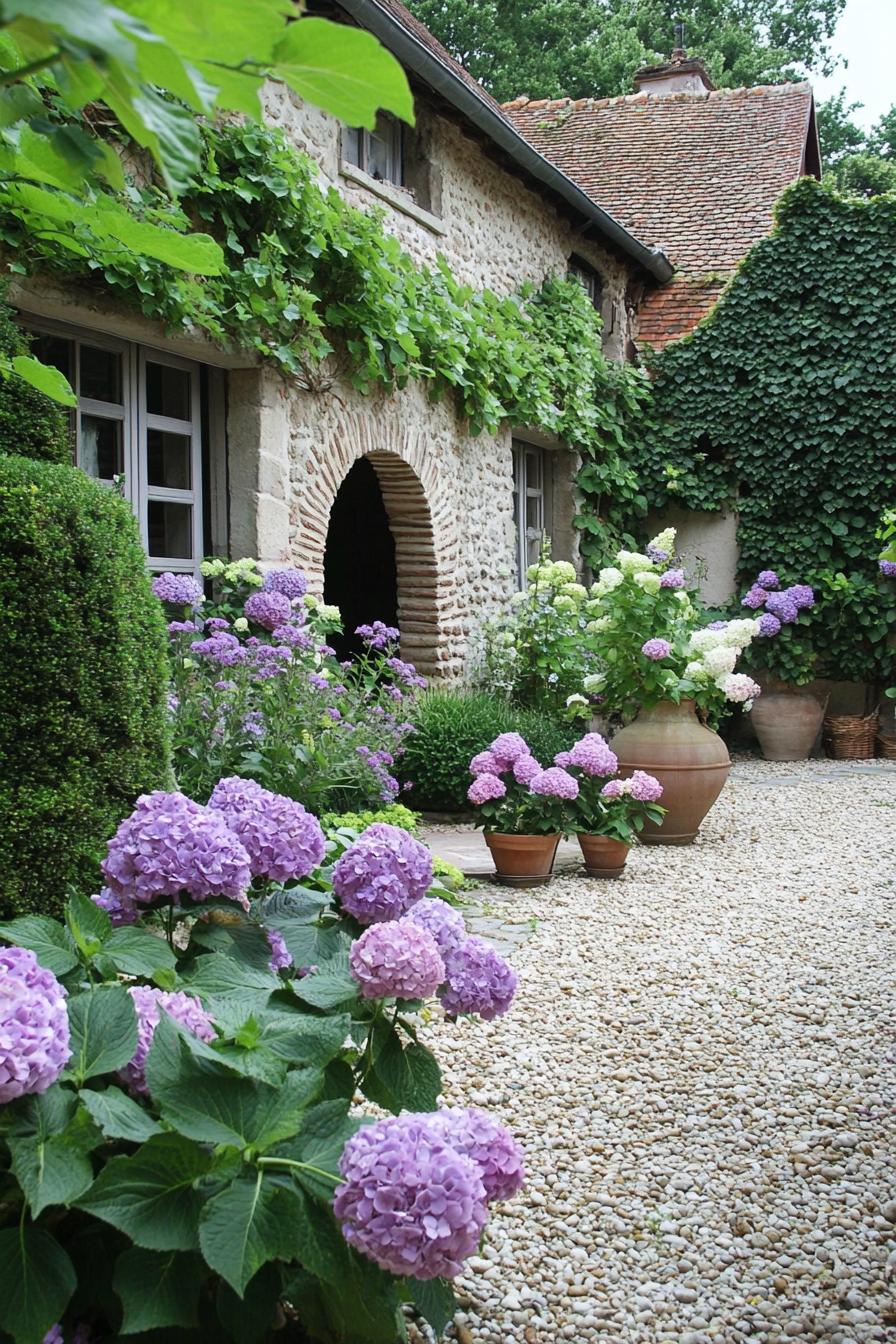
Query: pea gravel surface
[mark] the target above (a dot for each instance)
(700, 1065)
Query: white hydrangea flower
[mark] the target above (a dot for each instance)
(633, 562)
(561, 571)
(738, 634)
(739, 688)
(577, 591)
(595, 627)
(241, 624)
(518, 599)
(681, 596)
(575, 700)
(664, 541)
(607, 580)
(701, 640)
(696, 672)
(647, 580)
(211, 569)
(327, 613)
(720, 660)
(567, 605)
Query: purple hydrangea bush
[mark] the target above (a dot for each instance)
(514, 793)
(34, 1029)
(605, 803)
(785, 646)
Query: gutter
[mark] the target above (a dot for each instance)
(415, 56)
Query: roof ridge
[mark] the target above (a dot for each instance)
(526, 104)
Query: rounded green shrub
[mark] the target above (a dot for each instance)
(452, 726)
(83, 679)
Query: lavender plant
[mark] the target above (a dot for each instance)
(179, 1063)
(258, 691)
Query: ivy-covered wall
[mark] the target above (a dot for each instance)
(782, 404)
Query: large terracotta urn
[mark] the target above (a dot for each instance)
(787, 724)
(689, 760)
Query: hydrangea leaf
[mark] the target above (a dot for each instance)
(367, 1307)
(325, 1130)
(103, 1026)
(404, 1079)
(246, 1225)
(137, 951)
(87, 923)
(333, 986)
(250, 1319)
(302, 1039)
(157, 1289)
(435, 1300)
(37, 1279)
(49, 1146)
(152, 1195)
(45, 937)
(119, 1116)
(312, 944)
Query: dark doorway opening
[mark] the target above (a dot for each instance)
(359, 560)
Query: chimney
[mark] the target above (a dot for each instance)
(680, 74)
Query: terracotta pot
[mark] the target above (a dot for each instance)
(690, 761)
(522, 860)
(786, 724)
(604, 856)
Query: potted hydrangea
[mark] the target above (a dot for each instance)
(786, 720)
(675, 678)
(609, 810)
(522, 809)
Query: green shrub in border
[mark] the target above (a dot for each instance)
(30, 424)
(82, 680)
(452, 726)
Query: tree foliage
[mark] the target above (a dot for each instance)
(780, 405)
(857, 162)
(591, 48)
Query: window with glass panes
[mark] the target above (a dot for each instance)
(137, 426)
(528, 505)
(379, 152)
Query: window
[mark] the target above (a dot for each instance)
(590, 280)
(137, 425)
(528, 505)
(380, 152)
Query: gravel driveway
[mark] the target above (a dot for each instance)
(700, 1064)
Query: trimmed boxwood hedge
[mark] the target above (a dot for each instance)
(82, 680)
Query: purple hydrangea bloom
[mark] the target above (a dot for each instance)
(484, 763)
(282, 839)
(783, 606)
(290, 582)
(767, 579)
(525, 768)
(486, 789)
(281, 957)
(801, 595)
(216, 624)
(54, 1335)
(221, 648)
(398, 960)
(182, 627)
(378, 635)
(119, 910)
(754, 598)
(487, 1143)
(656, 554)
(507, 748)
(673, 578)
(717, 625)
(382, 874)
(612, 789)
(409, 1200)
(182, 590)
(769, 624)
(169, 845)
(656, 649)
(149, 1003)
(34, 1034)
(294, 635)
(887, 568)
(441, 920)
(645, 788)
(592, 755)
(479, 980)
(563, 758)
(554, 783)
(267, 609)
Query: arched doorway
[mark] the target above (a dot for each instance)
(360, 573)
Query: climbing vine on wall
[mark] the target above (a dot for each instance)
(783, 405)
(321, 289)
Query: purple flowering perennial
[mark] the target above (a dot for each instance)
(484, 763)
(645, 788)
(185, 1009)
(593, 757)
(525, 768)
(441, 920)
(887, 568)
(769, 624)
(398, 960)
(486, 789)
(268, 609)
(120, 912)
(170, 845)
(281, 957)
(656, 554)
(291, 583)
(612, 789)
(382, 874)
(801, 595)
(487, 1143)
(717, 625)
(181, 590)
(507, 749)
(378, 635)
(755, 598)
(409, 1200)
(221, 648)
(673, 578)
(767, 579)
(284, 841)
(783, 606)
(554, 783)
(34, 1032)
(479, 980)
(656, 649)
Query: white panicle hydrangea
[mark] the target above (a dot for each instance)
(701, 640)
(575, 700)
(633, 562)
(719, 661)
(562, 572)
(649, 581)
(594, 684)
(738, 634)
(577, 591)
(664, 541)
(595, 627)
(607, 580)
(567, 605)
(696, 672)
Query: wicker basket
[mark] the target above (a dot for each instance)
(886, 745)
(850, 737)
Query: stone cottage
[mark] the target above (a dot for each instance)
(394, 511)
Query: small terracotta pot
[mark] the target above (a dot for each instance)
(604, 856)
(786, 724)
(522, 860)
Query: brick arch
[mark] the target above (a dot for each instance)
(422, 523)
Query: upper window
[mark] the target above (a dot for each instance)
(528, 505)
(590, 280)
(380, 152)
(137, 425)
